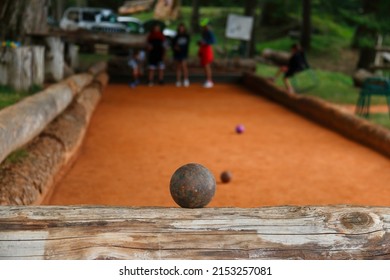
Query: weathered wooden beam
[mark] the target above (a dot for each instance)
(289, 232)
(131, 7)
(382, 49)
(379, 67)
(118, 39)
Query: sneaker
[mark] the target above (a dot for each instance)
(150, 84)
(133, 84)
(186, 83)
(178, 84)
(161, 82)
(208, 84)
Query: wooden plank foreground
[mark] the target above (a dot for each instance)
(73, 232)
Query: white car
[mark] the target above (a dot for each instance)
(96, 19)
(133, 25)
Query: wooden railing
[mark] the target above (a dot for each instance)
(91, 232)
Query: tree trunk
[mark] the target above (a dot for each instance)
(81, 3)
(58, 9)
(367, 50)
(195, 16)
(306, 24)
(22, 17)
(274, 13)
(250, 11)
(366, 57)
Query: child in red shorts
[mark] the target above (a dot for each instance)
(205, 53)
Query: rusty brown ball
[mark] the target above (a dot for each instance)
(226, 177)
(192, 186)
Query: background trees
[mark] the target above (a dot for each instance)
(21, 17)
(274, 19)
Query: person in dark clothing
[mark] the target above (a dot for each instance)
(180, 45)
(156, 48)
(296, 64)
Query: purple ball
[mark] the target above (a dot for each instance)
(240, 128)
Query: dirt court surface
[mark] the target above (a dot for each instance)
(139, 137)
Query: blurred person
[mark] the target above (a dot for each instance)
(156, 53)
(296, 63)
(180, 46)
(136, 64)
(205, 53)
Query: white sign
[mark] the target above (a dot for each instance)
(239, 27)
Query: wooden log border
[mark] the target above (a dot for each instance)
(287, 232)
(52, 151)
(23, 121)
(324, 113)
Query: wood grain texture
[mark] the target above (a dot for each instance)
(289, 232)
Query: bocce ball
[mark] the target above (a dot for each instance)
(192, 186)
(240, 128)
(226, 177)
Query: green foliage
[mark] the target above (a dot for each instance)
(326, 25)
(382, 119)
(8, 96)
(16, 156)
(278, 44)
(334, 87)
(89, 59)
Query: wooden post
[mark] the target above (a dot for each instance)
(38, 65)
(288, 232)
(20, 69)
(73, 56)
(5, 58)
(55, 61)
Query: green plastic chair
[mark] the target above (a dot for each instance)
(372, 86)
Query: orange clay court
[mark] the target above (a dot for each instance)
(138, 138)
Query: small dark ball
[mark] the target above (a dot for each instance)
(226, 177)
(240, 128)
(192, 186)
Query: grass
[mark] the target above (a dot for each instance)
(9, 97)
(88, 59)
(16, 156)
(333, 87)
(382, 119)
